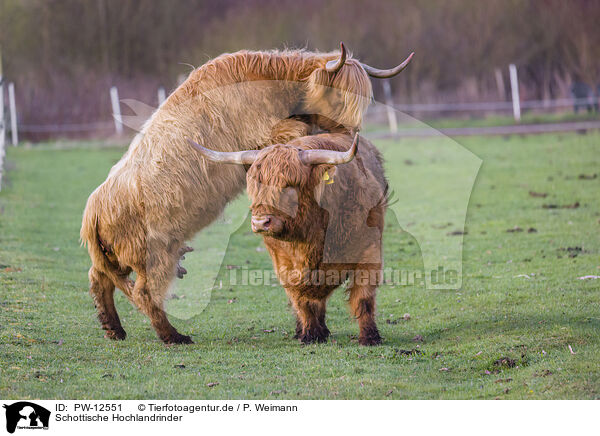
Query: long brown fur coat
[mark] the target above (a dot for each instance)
(161, 192)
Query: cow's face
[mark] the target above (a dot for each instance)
(285, 182)
(281, 190)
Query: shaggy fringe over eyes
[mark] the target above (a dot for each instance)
(284, 169)
(343, 97)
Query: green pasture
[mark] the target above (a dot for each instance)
(522, 324)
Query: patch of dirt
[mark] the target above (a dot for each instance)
(456, 233)
(505, 362)
(515, 229)
(504, 380)
(173, 297)
(562, 206)
(543, 373)
(538, 194)
(573, 251)
(405, 317)
(400, 352)
(587, 176)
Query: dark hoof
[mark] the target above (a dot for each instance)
(116, 334)
(313, 337)
(370, 340)
(178, 339)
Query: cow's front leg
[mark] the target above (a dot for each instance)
(298, 328)
(311, 320)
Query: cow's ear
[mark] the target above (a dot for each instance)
(324, 173)
(329, 174)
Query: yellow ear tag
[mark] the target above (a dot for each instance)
(328, 180)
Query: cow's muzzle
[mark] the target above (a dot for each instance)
(266, 224)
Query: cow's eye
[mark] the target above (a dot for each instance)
(289, 200)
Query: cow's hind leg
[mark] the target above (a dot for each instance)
(362, 304)
(150, 290)
(102, 290)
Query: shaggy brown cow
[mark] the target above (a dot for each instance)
(161, 193)
(319, 234)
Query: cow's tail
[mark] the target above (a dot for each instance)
(103, 258)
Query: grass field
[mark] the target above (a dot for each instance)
(505, 334)
(407, 122)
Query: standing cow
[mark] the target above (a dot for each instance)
(161, 192)
(321, 213)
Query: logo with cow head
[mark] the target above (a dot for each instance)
(26, 415)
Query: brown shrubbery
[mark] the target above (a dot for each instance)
(63, 56)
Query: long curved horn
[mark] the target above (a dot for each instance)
(246, 157)
(331, 157)
(384, 74)
(336, 65)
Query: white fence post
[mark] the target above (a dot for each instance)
(116, 108)
(2, 132)
(389, 106)
(13, 114)
(514, 87)
(162, 95)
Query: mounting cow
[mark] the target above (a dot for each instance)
(162, 192)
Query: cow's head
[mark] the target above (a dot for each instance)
(285, 184)
(341, 90)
